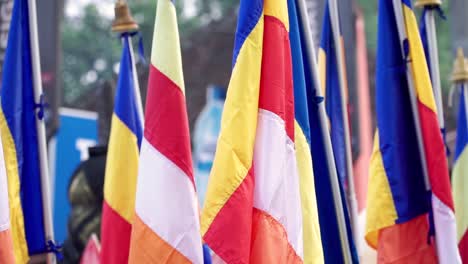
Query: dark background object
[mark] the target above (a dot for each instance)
(86, 196)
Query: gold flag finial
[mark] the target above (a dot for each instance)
(124, 21)
(460, 67)
(423, 3)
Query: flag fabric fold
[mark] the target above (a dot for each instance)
(253, 212)
(166, 222)
(122, 163)
(400, 209)
(20, 137)
(460, 175)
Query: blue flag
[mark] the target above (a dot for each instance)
(19, 137)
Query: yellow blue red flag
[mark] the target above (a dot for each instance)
(402, 214)
(122, 162)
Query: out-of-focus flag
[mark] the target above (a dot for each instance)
(400, 208)
(313, 251)
(330, 80)
(460, 174)
(122, 162)
(21, 136)
(6, 244)
(166, 226)
(252, 212)
(91, 253)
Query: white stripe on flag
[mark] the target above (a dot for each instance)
(167, 203)
(276, 177)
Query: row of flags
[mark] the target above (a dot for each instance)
(277, 189)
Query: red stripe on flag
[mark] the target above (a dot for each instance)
(232, 244)
(115, 236)
(166, 121)
(463, 247)
(276, 85)
(435, 156)
(406, 243)
(270, 241)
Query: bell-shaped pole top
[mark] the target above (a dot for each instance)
(423, 3)
(460, 68)
(124, 21)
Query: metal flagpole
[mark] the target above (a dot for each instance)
(460, 76)
(351, 192)
(326, 133)
(40, 126)
(433, 55)
(124, 23)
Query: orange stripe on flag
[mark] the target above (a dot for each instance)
(151, 248)
(269, 242)
(6, 247)
(406, 243)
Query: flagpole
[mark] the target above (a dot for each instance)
(398, 9)
(124, 23)
(326, 133)
(460, 76)
(40, 126)
(351, 192)
(429, 21)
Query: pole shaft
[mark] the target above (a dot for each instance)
(398, 9)
(311, 56)
(434, 64)
(40, 126)
(136, 84)
(351, 193)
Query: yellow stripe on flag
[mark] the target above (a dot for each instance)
(121, 170)
(165, 55)
(419, 68)
(381, 210)
(234, 153)
(460, 194)
(16, 210)
(313, 252)
(278, 9)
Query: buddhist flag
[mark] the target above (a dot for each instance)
(460, 174)
(313, 251)
(400, 209)
(6, 244)
(122, 162)
(252, 212)
(20, 135)
(166, 226)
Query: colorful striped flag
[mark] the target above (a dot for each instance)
(460, 175)
(6, 244)
(122, 162)
(313, 251)
(166, 225)
(400, 208)
(329, 74)
(252, 212)
(20, 135)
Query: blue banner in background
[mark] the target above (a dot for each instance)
(77, 132)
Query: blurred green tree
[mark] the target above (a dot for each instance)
(91, 51)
